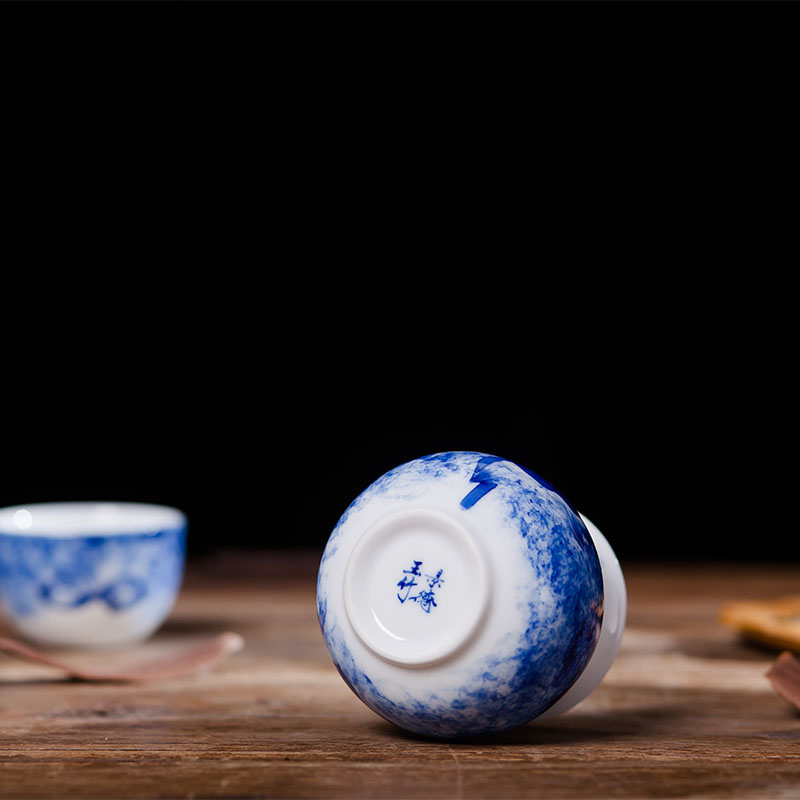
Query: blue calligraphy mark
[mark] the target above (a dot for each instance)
(425, 600)
(483, 478)
(435, 580)
(426, 597)
(407, 583)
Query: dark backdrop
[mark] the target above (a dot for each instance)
(254, 255)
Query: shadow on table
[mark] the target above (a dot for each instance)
(196, 627)
(736, 648)
(576, 728)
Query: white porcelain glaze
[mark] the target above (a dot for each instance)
(388, 623)
(461, 594)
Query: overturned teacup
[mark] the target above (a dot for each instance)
(461, 594)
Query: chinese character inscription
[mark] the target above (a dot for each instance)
(425, 596)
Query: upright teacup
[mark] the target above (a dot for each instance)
(90, 574)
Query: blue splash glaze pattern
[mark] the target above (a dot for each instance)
(522, 665)
(481, 476)
(119, 572)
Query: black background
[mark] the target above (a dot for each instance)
(254, 255)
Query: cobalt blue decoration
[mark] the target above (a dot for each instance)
(509, 578)
(90, 573)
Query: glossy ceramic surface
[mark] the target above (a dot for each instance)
(461, 594)
(90, 574)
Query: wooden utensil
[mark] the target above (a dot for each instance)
(784, 675)
(190, 661)
(774, 622)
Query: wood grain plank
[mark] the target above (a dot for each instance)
(686, 710)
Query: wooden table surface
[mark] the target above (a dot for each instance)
(684, 712)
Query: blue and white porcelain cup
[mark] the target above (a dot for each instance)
(460, 595)
(90, 574)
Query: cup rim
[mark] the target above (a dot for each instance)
(80, 519)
